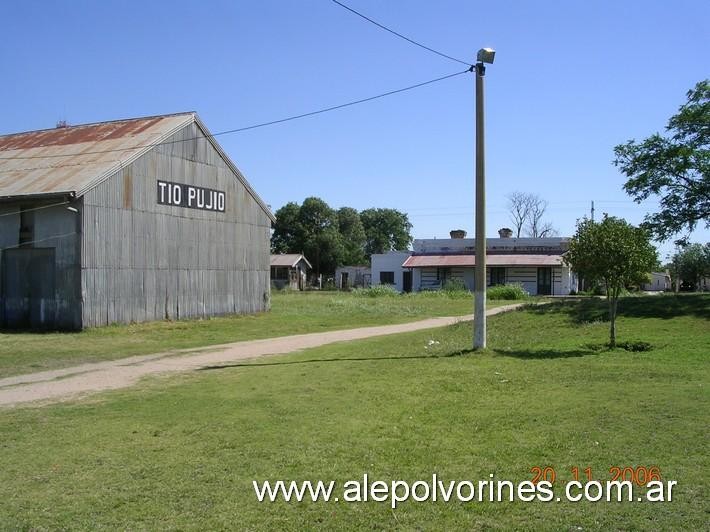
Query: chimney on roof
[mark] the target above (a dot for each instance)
(61, 124)
(457, 233)
(505, 232)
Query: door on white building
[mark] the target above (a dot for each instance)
(544, 281)
(407, 281)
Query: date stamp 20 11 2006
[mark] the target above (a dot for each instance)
(640, 475)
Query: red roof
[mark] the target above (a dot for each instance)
(469, 261)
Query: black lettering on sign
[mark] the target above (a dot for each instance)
(190, 196)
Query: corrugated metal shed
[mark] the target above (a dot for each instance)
(87, 238)
(446, 261)
(72, 160)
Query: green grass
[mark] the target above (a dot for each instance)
(181, 452)
(292, 313)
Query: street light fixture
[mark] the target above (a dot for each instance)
(485, 55)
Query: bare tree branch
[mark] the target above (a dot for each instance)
(519, 204)
(526, 211)
(538, 206)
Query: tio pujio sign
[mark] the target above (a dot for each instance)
(190, 196)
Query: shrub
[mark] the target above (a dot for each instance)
(454, 287)
(329, 285)
(507, 291)
(378, 290)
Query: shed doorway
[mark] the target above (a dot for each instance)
(27, 288)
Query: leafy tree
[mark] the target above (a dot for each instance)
(691, 263)
(614, 253)
(385, 230)
(321, 240)
(675, 167)
(287, 236)
(526, 212)
(353, 236)
(329, 238)
(311, 229)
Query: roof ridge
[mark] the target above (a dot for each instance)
(98, 123)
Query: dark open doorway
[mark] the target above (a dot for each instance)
(407, 281)
(544, 281)
(28, 294)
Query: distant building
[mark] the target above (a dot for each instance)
(535, 263)
(658, 282)
(387, 269)
(347, 277)
(289, 271)
(127, 221)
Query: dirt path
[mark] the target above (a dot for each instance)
(62, 384)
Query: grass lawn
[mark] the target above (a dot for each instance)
(181, 452)
(292, 313)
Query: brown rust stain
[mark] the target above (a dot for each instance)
(77, 134)
(127, 189)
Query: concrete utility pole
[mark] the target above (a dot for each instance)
(485, 55)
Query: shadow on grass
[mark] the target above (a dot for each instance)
(667, 306)
(542, 354)
(452, 354)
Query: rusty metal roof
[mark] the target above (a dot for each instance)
(468, 261)
(73, 159)
(424, 261)
(288, 260)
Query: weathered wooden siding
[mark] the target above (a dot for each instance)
(528, 278)
(426, 278)
(430, 278)
(525, 276)
(57, 228)
(145, 261)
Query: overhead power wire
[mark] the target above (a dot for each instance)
(246, 128)
(412, 41)
(15, 213)
(64, 235)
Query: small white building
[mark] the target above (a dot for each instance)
(387, 269)
(535, 263)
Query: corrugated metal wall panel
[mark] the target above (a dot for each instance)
(154, 261)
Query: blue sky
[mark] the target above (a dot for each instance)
(571, 80)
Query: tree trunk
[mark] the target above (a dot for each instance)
(612, 320)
